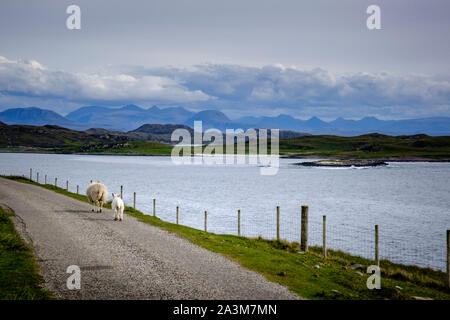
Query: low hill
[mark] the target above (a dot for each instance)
(369, 146)
(147, 132)
(50, 136)
(147, 140)
(157, 132)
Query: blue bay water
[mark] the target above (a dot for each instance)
(409, 201)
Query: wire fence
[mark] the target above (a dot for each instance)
(359, 241)
(340, 235)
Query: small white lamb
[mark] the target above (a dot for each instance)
(117, 205)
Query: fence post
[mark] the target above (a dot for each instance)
(154, 207)
(448, 258)
(239, 222)
(67, 185)
(56, 182)
(45, 179)
(37, 177)
(31, 174)
(178, 210)
(78, 189)
(134, 201)
(121, 192)
(91, 181)
(278, 223)
(377, 257)
(304, 231)
(324, 231)
(206, 218)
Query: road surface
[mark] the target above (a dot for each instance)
(123, 260)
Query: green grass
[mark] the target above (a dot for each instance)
(19, 277)
(280, 261)
(138, 147)
(131, 148)
(369, 146)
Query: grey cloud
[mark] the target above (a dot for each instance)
(295, 90)
(237, 90)
(31, 79)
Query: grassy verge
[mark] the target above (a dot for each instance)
(307, 274)
(19, 277)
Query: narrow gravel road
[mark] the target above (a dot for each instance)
(123, 260)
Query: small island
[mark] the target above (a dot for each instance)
(343, 163)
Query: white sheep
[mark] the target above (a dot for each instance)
(117, 205)
(97, 194)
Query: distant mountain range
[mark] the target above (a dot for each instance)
(36, 117)
(130, 117)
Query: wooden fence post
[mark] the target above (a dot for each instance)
(78, 189)
(121, 192)
(239, 222)
(45, 179)
(178, 211)
(67, 185)
(377, 256)
(31, 174)
(448, 258)
(278, 223)
(134, 201)
(56, 182)
(206, 218)
(154, 207)
(37, 177)
(304, 231)
(324, 231)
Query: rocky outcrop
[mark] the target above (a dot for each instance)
(343, 163)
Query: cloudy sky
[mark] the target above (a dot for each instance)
(246, 57)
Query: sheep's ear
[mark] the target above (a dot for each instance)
(113, 195)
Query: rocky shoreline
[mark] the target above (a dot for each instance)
(385, 159)
(343, 163)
